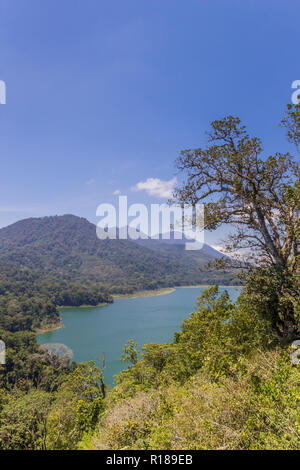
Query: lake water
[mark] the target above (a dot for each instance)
(90, 332)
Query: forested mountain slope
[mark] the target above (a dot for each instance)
(68, 246)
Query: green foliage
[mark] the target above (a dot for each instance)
(77, 406)
(221, 384)
(275, 296)
(212, 339)
(291, 122)
(256, 407)
(23, 421)
(130, 352)
(54, 414)
(28, 365)
(29, 299)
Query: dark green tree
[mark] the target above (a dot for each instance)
(23, 421)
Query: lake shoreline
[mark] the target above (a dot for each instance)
(167, 290)
(134, 295)
(145, 293)
(68, 307)
(48, 329)
(209, 285)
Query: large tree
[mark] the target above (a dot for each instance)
(258, 196)
(291, 122)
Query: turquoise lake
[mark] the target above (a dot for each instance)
(90, 332)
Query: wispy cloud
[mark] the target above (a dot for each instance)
(156, 187)
(116, 192)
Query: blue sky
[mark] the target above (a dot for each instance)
(103, 95)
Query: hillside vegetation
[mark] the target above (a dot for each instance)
(221, 384)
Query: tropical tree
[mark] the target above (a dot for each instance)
(259, 197)
(130, 352)
(291, 122)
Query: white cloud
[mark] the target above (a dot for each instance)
(156, 187)
(116, 192)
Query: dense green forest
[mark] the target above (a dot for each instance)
(30, 299)
(226, 381)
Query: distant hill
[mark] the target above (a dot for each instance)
(58, 261)
(67, 246)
